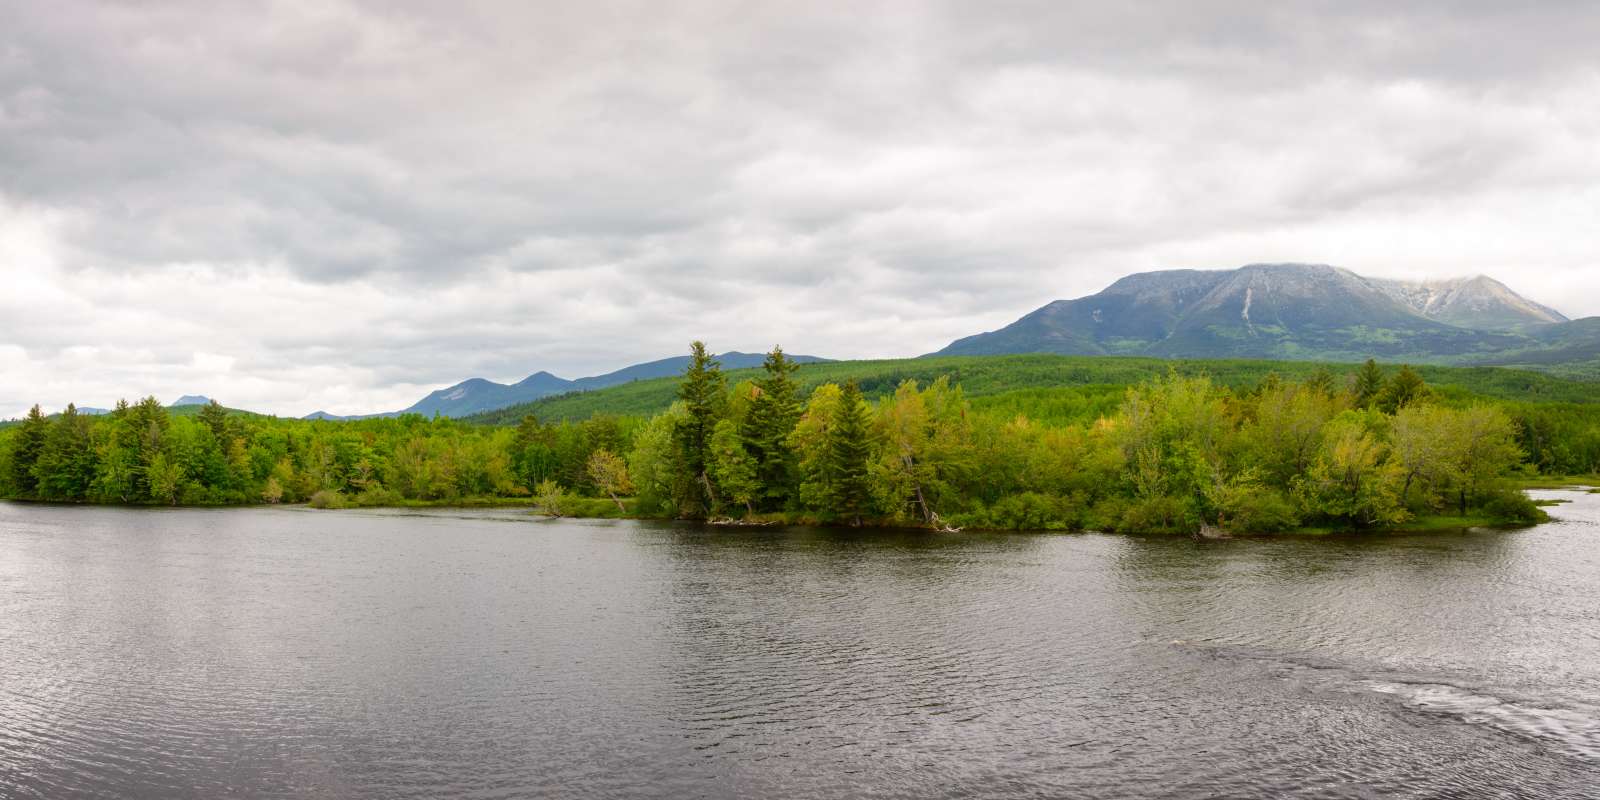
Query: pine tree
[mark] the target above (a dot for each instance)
(1405, 388)
(774, 411)
(703, 392)
(67, 465)
(848, 493)
(215, 417)
(1320, 381)
(1369, 382)
(28, 446)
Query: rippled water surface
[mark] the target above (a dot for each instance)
(295, 653)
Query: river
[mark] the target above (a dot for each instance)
(285, 652)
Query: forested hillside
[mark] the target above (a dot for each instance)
(987, 376)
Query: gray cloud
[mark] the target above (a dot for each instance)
(339, 204)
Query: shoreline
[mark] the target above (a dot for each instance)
(1433, 523)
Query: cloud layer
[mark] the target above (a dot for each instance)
(342, 205)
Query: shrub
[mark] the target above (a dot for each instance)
(1032, 511)
(377, 496)
(326, 498)
(1160, 514)
(1256, 509)
(550, 498)
(1509, 505)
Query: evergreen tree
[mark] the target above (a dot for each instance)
(1405, 388)
(28, 445)
(848, 488)
(66, 468)
(215, 417)
(1320, 381)
(1369, 383)
(703, 392)
(774, 411)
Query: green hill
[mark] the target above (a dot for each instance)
(1070, 384)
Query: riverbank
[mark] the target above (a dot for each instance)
(1582, 482)
(572, 507)
(605, 508)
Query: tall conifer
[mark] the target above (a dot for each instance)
(774, 411)
(1369, 382)
(26, 449)
(703, 392)
(849, 491)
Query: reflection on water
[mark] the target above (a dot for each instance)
(289, 653)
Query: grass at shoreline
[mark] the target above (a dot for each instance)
(1556, 482)
(604, 508)
(1433, 523)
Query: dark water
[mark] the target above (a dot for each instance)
(292, 653)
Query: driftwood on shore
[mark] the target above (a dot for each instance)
(730, 521)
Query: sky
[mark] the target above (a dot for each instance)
(292, 206)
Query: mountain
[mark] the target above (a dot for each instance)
(476, 395)
(191, 400)
(1479, 302)
(675, 365)
(323, 415)
(1288, 311)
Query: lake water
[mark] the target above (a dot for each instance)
(298, 653)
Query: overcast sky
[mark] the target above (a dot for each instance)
(344, 205)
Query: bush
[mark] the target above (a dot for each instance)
(1159, 514)
(1509, 505)
(1257, 509)
(377, 496)
(326, 498)
(1032, 511)
(550, 497)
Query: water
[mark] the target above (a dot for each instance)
(296, 653)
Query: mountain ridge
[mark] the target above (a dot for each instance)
(478, 395)
(1288, 311)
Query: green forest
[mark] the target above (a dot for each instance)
(1052, 443)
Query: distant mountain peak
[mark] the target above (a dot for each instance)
(476, 395)
(1273, 310)
(1478, 302)
(191, 400)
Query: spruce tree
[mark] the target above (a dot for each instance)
(1405, 388)
(848, 493)
(215, 417)
(703, 392)
(774, 411)
(1369, 382)
(27, 447)
(67, 465)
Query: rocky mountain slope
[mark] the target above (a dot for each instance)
(1292, 311)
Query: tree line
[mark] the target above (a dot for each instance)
(1172, 453)
(1178, 453)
